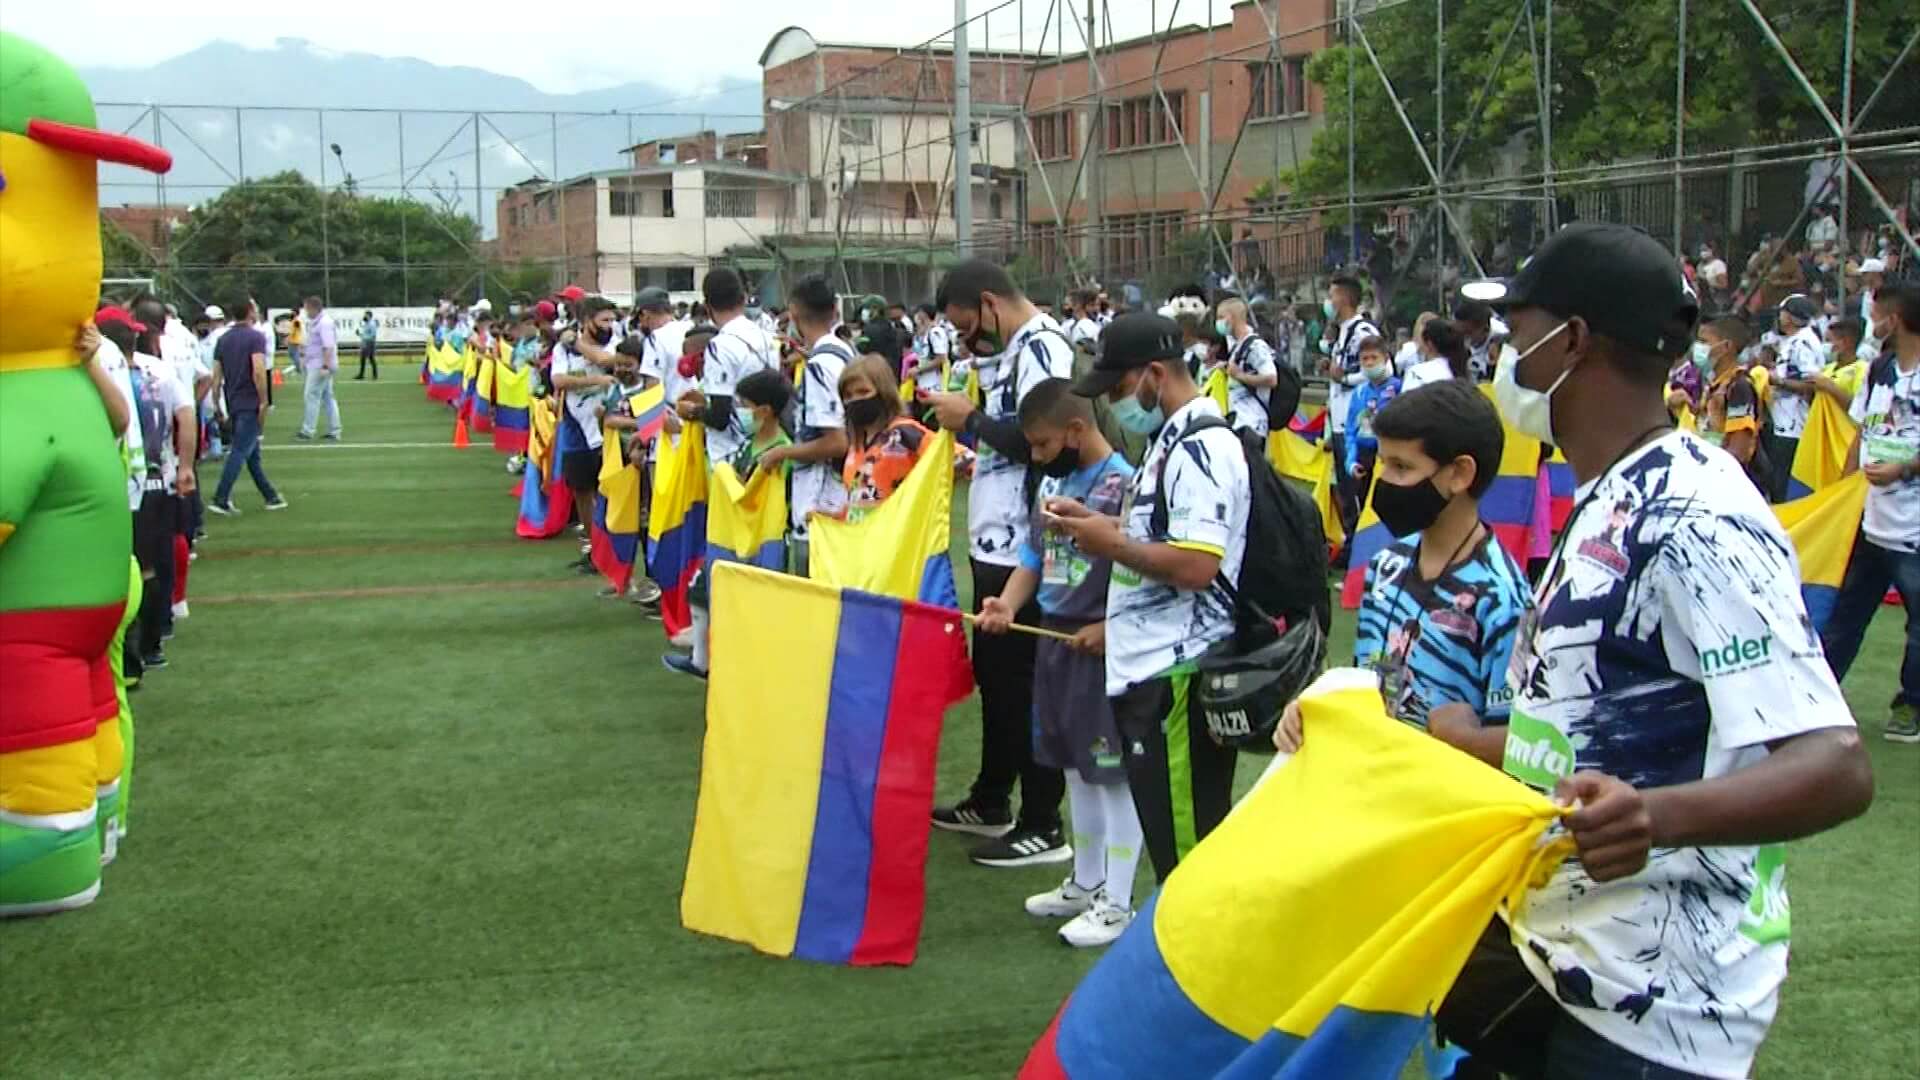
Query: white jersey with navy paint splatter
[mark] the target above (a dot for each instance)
(1670, 644)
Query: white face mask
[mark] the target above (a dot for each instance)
(1530, 411)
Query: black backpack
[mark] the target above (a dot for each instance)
(1283, 576)
(1283, 398)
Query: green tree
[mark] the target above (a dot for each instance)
(280, 238)
(1613, 73)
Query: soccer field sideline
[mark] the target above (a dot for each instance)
(411, 802)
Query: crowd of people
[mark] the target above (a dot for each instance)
(1112, 504)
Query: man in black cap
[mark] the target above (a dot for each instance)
(1165, 604)
(1669, 686)
(1800, 358)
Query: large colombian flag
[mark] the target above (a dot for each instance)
(810, 833)
(545, 503)
(677, 522)
(1823, 527)
(1297, 458)
(512, 408)
(1507, 508)
(1282, 951)
(480, 404)
(900, 550)
(614, 539)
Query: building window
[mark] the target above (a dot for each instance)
(623, 202)
(732, 202)
(816, 199)
(671, 278)
(994, 206)
(856, 130)
(1142, 121)
(1132, 243)
(1279, 89)
(666, 203)
(1053, 136)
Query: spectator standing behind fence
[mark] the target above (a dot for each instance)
(319, 353)
(369, 343)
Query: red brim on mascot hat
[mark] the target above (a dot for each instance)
(104, 145)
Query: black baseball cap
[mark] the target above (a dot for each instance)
(1800, 307)
(652, 298)
(1129, 342)
(1623, 282)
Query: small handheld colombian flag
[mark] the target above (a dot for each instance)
(677, 522)
(901, 548)
(1282, 951)
(816, 777)
(649, 408)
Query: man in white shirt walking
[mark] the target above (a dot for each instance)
(320, 361)
(1251, 369)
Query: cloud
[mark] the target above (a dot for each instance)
(282, 138)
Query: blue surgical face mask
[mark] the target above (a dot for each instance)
(1220, 327)
(1326, 307)
(1135, 417)
(746, 418)
(1703, 356)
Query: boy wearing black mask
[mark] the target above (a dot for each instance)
(1074, 727)
(1443, 603)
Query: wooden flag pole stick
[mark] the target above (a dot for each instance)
(1036, 631)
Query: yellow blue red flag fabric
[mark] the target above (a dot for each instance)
(1824, 444)
(446, 369)
(481, 401)
(677, 522)
(1507, 508)
(1277, 950)
(649, 410)
(512, 408)
(545, 503)
(747, 522)
(1311, 463)
(614, 541)
(900, 550)
(1215, 387)
(1823, 527)
(816, 778)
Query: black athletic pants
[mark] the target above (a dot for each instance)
(368, 356)
(1182, 781)
(1003, 666)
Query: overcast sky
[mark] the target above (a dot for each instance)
(679, 43)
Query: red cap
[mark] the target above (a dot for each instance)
(545, 311)
(573, 294)
(116, 313)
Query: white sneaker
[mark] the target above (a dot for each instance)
(1064, 901)
(180, 610)
(1099, 925)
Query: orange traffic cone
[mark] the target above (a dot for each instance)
(460, 432)
(279, 379)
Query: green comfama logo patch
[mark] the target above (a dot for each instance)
(1537, 752)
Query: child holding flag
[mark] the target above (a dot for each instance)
(1074, 726)
(758, 402)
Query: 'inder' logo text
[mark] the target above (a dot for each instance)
(1740, 654)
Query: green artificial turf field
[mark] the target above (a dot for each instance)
(411, 802)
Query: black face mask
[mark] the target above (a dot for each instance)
(865, 412)
(1064, 464)
(603, 334)
(1406, 509)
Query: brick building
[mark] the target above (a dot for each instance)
(150, 226)
(1160, 160)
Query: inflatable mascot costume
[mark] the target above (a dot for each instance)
(65, 529)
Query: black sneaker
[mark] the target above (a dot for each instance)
(154, 660)
(224, 509)
(1023, 847)
(968, 816)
